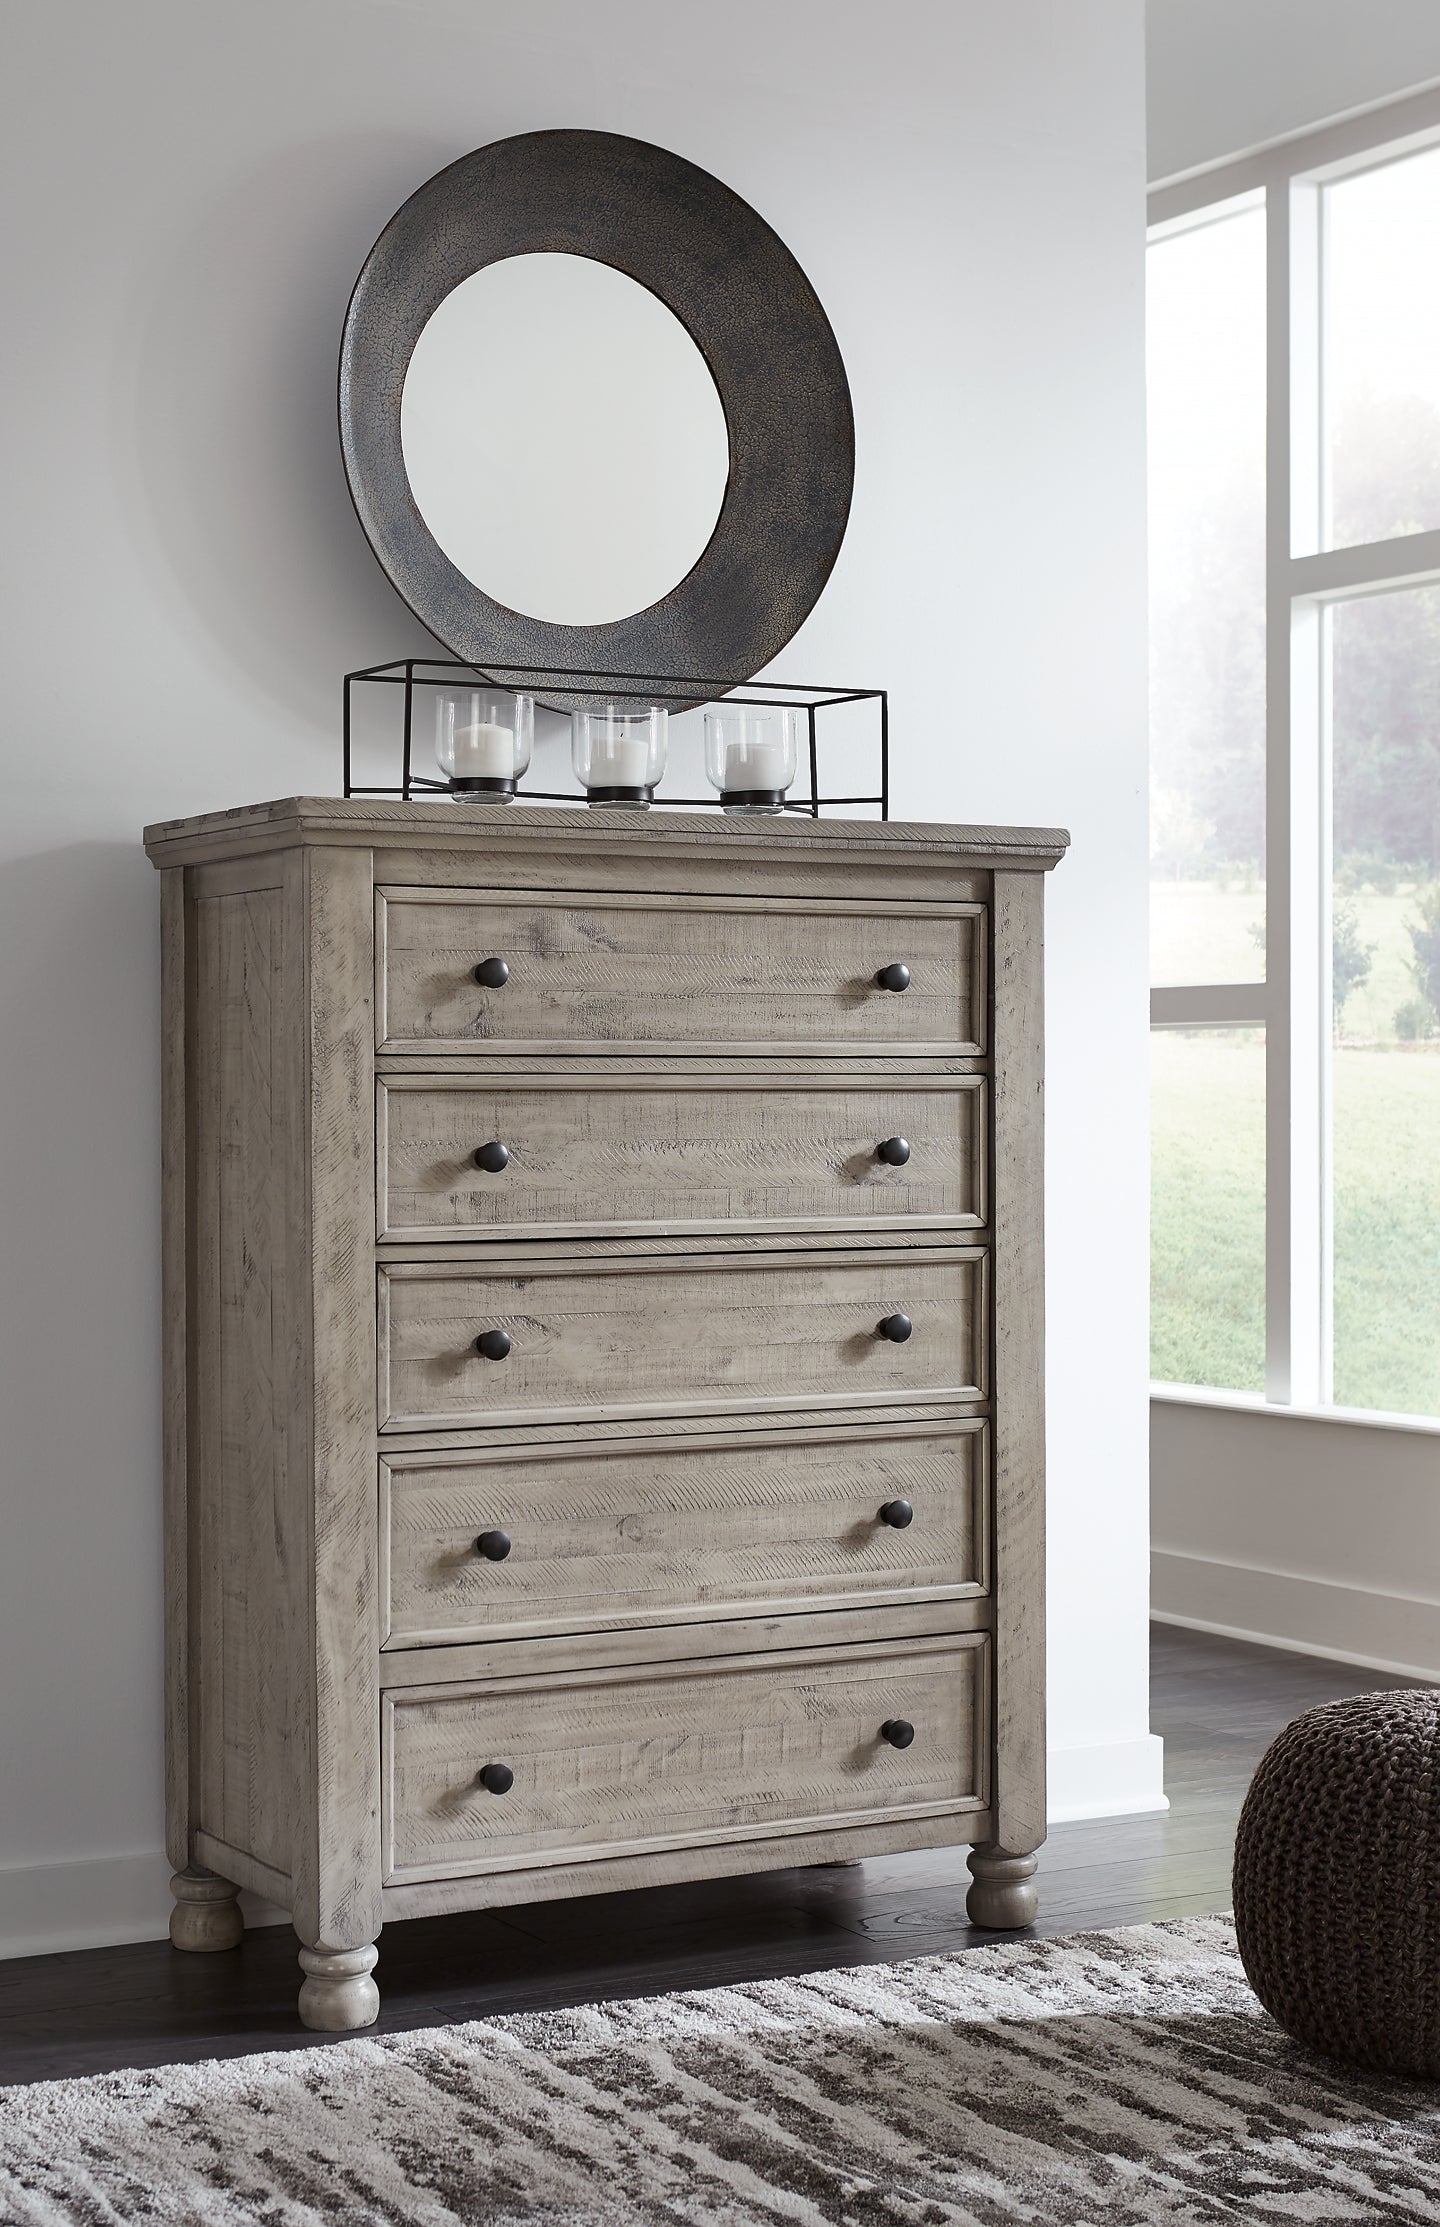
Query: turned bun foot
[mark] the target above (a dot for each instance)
(206, 1915)
(1004, 1894)
(339, 1994)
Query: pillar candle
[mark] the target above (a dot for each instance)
(756, 765)
(485, 752)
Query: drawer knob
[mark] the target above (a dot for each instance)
(897, 1513)
(495, 1545)
(898, 1731)
(492, 974)
(495, 1344)
(493, 1157)
(896, 1328)
(893, 978)
(894, 1151)
(497, 1778)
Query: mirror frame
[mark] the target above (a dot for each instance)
(748, 307)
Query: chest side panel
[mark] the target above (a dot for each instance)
(248, 1539)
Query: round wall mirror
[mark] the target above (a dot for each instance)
(594, 418)
(563, 438)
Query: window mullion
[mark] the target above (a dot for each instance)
(1277, 796)
(1322, 992)
(1291, 1230)
(1294, 1172)
(1210, 1005)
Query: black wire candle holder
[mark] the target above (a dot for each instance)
(684, 692)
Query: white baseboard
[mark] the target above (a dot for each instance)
(1123, 1779)
(96, 1903)
(1305, 1615)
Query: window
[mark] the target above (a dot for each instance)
(1294, 373)
(1206, 351)
(1207, 1207)
(1381, 352)
(1384, 681)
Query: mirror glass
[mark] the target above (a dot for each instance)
(563, 439)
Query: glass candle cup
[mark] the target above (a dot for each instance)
(483, 741)
(751, 752)
(619, 753)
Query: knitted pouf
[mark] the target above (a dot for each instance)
(1337, 1880)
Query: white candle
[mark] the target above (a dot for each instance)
(485, 752)
(620, 762)
(755, 765)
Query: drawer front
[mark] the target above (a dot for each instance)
(631, 973)
(620, 1762)
(659, 1337)
(619, 1536)
(590, 1155)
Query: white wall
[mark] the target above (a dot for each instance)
(194, 186)
(1226, 75)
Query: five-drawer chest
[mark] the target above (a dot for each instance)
(604, 1357)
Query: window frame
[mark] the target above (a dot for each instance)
(1303, 579)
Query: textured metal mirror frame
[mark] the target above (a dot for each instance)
(748, 307)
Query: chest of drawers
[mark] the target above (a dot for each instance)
(604, 1365)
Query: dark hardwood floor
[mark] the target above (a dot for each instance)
(1216, 1703)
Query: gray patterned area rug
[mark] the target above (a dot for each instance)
(1111, 2077)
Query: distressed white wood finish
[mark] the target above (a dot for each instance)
(248, 1550)
(691, 1439)
(725, 869)
(836, 1423)
(609, 1764)
(605, 1537)
(627, 973)
(206, 1916)
(592, 1154)
(337, 1905)
(713, 1859)
(662, 849)
(657, 1243)
(1003, 1893)
(246, 1870)
(338, 1996)
(176, 954)
(272, 1684)
(644, 1337)
(1019, 1308)
(767, 1069)
(637, 1646)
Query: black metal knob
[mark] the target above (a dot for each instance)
(893, 978)
(897, 1513)
(495, 1344)
(493, 974)
(493, 1157)
(498, 1778)
(897, 1731)
(894, 1151)
(495, 1545)
(896, 1328)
